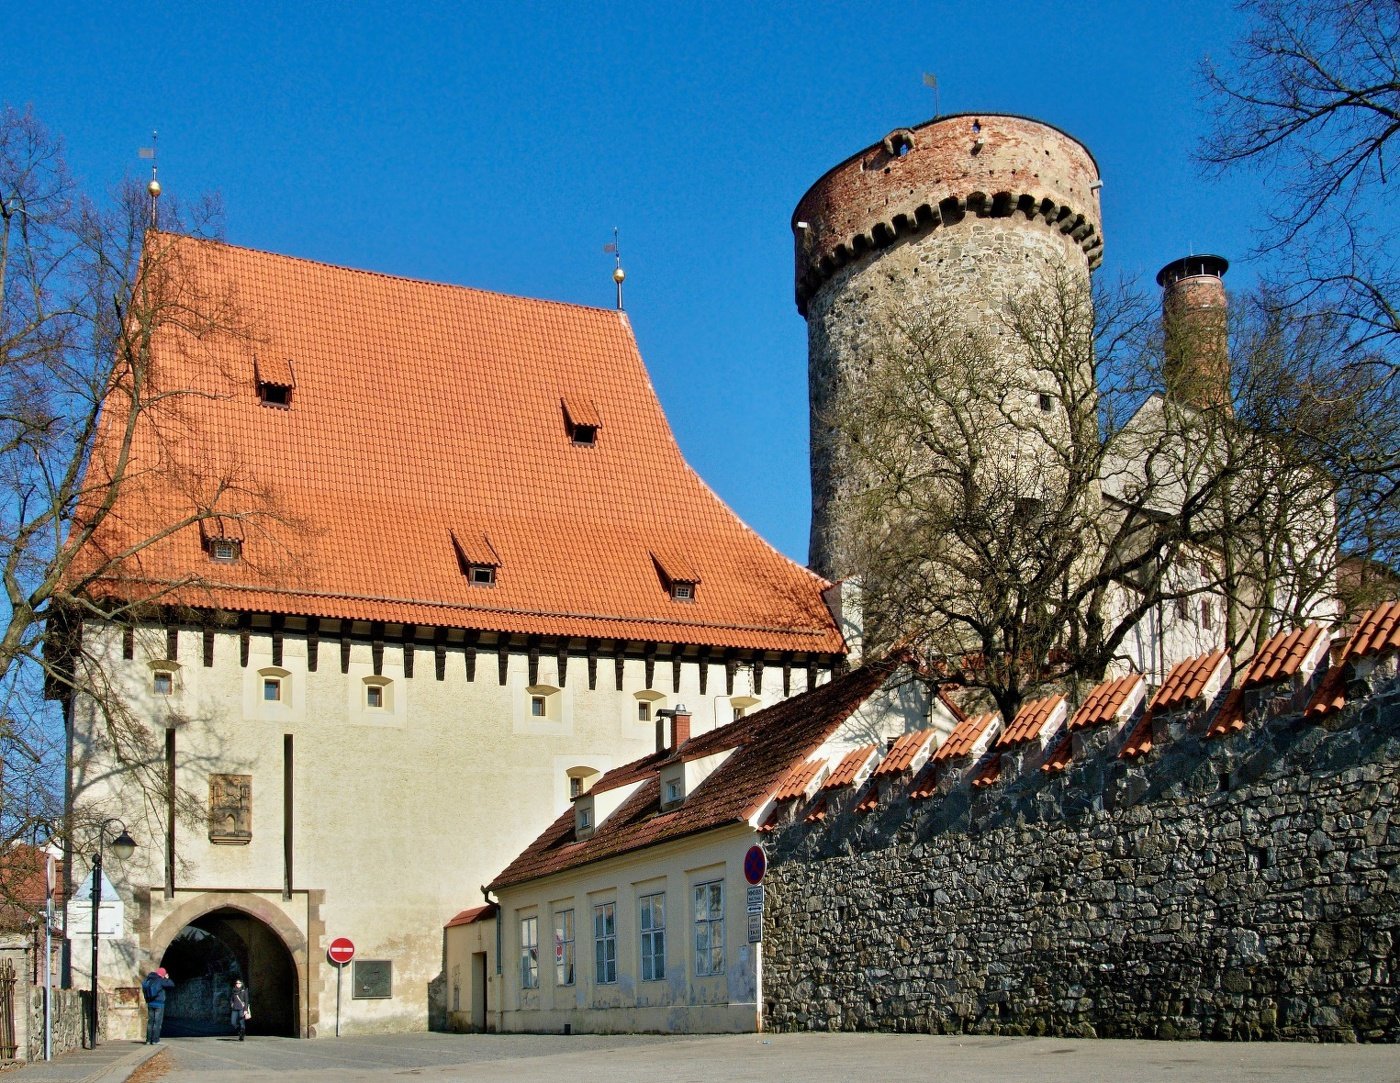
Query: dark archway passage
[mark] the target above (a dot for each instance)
(204, 959)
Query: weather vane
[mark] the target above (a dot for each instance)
(153, 188)
(931, 81)
(618, 273)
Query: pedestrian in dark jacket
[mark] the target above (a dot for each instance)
(153, 989)
(238, 1011)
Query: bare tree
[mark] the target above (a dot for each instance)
(1031, 501)
(1312, 96)
(89, 288)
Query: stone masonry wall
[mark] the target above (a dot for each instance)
(1240, 888)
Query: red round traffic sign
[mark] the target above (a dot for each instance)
(755, 865)
(341, 951)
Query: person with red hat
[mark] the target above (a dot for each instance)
(153, 989)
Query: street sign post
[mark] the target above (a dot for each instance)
(341, 951)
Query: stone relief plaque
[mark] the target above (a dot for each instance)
(230, 808)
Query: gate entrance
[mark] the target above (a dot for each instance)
(204, 959)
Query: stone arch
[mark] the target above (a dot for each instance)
(213, 904)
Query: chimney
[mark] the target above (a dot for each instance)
(680, 726)
(1197, 336)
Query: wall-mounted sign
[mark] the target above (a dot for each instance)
(755, 928)
(755, 901)
(755, 865)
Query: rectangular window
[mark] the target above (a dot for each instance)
(709, 928)
(1207, 616)
(643, 710)
(605, 943)
(164, 682)
(564, 947)
(482, 575)
(530, 953)
(224, 550)
(1182, 608)
(537, 706)
(272, 689)
(653, 925)
(374, 695)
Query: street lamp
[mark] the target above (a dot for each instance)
(123, 846)
(47, 828)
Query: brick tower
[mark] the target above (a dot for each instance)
(969, 209)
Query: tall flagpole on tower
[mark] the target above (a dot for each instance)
(153, 188)
(618, 273)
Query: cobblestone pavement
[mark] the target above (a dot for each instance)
(811, 1058)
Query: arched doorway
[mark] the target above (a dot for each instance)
(207, 955)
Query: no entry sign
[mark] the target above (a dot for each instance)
(341, 951)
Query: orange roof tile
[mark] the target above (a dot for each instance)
(1377, 632)
(967, 735)
(421, 409)
(1283, 655)
(817, 813)
(1230, 718)
(796, 784)
(989, 774)
(472, 916)
(1331, 694)
(871, 801)
(1139, 742)
(1106, 702)
(582, 411)
(274, 369)
(1059, 756)
(904, 752)
(1032, 721)
(769, 746)
(850, 767)
(1188, 679)
(925, 783)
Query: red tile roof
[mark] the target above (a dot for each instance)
(795, 786)
(817, 813)
(582, 411)
(22, 886)
(1377, 633)
(1230, 718)
(1139, 742)
(422, 411)
(850, 767)
(871, 801)
(1106, 702)
(965, 737)
(1032, 720)
(989, 774)
(904, 752)
(1283, 655)
(768, 745)
(925, 783)
(1188, 679)
(472, 916)
(1060, 754)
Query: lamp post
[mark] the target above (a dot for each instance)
(48, 830)
(123, 846)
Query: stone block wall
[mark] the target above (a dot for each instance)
(1241, 888)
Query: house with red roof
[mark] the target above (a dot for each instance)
(632, 910)
(396, 571)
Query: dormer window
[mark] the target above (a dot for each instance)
(223, 538)
(275, 381)
(678, 575)
(476, 557)
(581, 420)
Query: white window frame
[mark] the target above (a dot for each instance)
(530, 952)
(651, 920)
(709, 928)
(605, 943)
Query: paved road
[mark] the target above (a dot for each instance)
(815, 1058)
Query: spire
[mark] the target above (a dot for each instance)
(153, 188)
(618, 273)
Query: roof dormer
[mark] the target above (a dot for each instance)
(678, 574)
(476, 556)
(275, 380)
(592, 808)
(581, 420)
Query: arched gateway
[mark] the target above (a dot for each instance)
(205, 948)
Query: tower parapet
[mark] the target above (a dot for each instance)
(961, 214)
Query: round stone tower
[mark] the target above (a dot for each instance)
(967, 210)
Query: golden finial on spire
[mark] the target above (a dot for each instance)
(618, 273)
(153, 188)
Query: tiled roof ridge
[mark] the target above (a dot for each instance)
(214, 242)
(287, 592)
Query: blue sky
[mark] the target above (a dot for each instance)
(497, 145)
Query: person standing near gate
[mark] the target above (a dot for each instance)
(238, 1011)
(153, 989)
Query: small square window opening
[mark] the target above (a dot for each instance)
(272, 689)
(482, 575)
(584, 435)
(275, 395)
(575, 787)
(537, 706)
(682, 591)
(644, 710)
(224, 550)
(164, 683)
(1045, 402)
(374, 696)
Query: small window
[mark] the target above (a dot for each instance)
(564, 947)
(538, 707)
(163, 683)
(575, 787)
(530, 953)
(709, 929)
(605, 943)
(1182, 608)
(225, 550)
(1046, 403)
(1207, 614)
(585, 819)
(272, 690)
(584, 435)
(481, 575)
(643, 710)
(653, 927)
(674, 794)
(275, 395)
(374, 696)
(682, 591)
